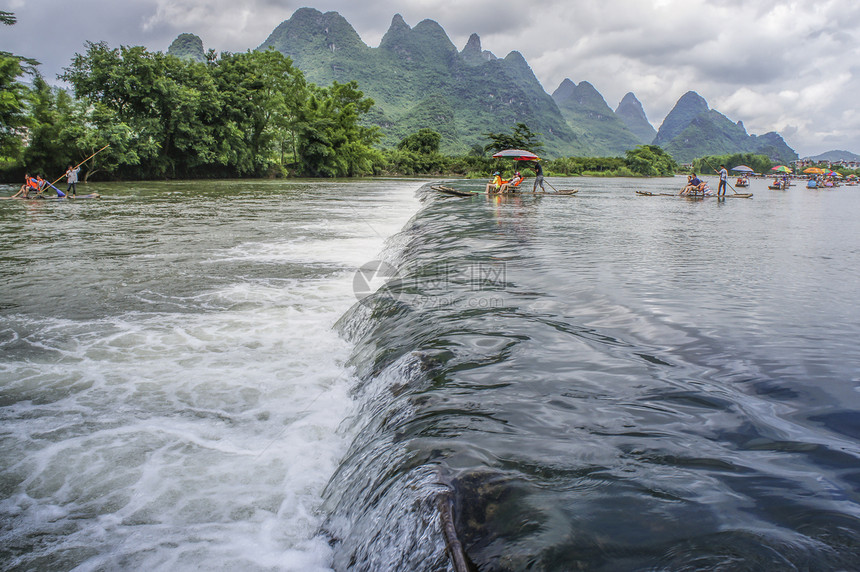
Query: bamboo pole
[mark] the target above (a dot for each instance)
(78, 165)
(727, 179)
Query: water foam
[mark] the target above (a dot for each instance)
(195, 438)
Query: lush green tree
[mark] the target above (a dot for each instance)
(417, 154)
(45, 153)
(331, 141)
(249, 113)
(650, 161)
(14, 119)
(608, 166)
(711, 163)
(425, 141)
(13, 111)
(169, 104)
(261, 95)
(91, 128)
(521, 137)
(65, 131)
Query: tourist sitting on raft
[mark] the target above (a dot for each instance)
(495, 186)
(695, 186)
(511, 186)
(31, 184)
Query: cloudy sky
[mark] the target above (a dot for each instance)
(776, 65)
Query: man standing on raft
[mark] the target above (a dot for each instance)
(72, 180)
(538, 178)
(724, 176)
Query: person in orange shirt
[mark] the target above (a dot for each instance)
(30, 184)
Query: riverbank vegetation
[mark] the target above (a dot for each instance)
(235, 115)
(711, 163)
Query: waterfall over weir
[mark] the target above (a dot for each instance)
(312, 375)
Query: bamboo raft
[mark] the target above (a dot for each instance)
(44, 198)
(462, 193)
(697, 196)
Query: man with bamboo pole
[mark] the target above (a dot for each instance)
(72, 180)
(724, 180)
(71, 174)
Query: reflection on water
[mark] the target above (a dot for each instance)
(632, 383)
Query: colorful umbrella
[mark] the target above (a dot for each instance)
(781, 169)
(743, 169)
(814, 170)
(517, 155)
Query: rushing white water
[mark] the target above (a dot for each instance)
(200, 433)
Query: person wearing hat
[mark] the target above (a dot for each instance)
(495, 185)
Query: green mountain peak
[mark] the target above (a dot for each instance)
(588, 113)
(631, 112)
(397, 31)
(473, 54)
(418, 79)
(693, 130)
(188, 46)
(690, 106)
(309, 32)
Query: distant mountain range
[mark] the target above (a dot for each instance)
(834, 156)
(419, 79)
(693, 130)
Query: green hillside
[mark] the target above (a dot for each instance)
(585, 110)
(692, 130)
(417, 75)
(418, 79)
(690, 106)
(630, 111)
(187, 46)
(774, 146)
(836, 155)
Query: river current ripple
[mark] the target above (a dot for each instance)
(597, 382)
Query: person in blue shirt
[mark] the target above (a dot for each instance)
(694, 183)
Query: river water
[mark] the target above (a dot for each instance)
(195, 377)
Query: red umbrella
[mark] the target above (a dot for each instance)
(517, 155)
